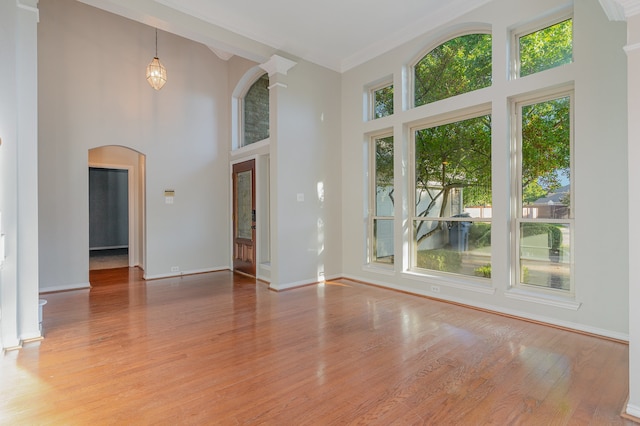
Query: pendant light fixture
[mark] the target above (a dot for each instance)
(156, 72)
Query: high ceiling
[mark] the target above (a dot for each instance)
(338, 34)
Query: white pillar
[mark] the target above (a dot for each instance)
(19, 173)
(27, 86)
(633, 142)
(277, 68)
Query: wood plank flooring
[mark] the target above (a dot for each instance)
(219, 348)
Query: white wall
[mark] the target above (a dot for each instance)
(93, 93)
(600, 247)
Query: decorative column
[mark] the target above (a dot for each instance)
(629, 10)
(633, 143)
(277, 68)
(26, 236)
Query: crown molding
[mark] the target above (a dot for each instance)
(225, 56)
(620, 10)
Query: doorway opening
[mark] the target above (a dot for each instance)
(116, 208)
(244, 218)
(108, 218)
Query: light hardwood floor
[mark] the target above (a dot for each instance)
(219, 348)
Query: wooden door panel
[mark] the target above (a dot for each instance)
(244, 218)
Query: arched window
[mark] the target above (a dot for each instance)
(255, 109)
(460, 65)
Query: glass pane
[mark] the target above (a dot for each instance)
(256, 111)
(384, 176)
(458, 66)
(453, 169)
(383, 240)
(546, 160)
(244, 207)
(460, 247)
(546, 48)
(545, 251)
(383, 102)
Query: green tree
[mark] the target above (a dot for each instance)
(457, 156)
(384, 165)
(448, 157)
(547, 48)
(460, 65)
(546, 147)
(383, 102)
(532, 192)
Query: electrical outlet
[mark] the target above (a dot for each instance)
(435, 289)
(175, 269)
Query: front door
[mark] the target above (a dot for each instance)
(244, 217)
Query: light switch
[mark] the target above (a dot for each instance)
(300, 197)
(168, 200)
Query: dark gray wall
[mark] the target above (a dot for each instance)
(108, 208)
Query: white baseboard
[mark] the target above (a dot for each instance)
(289, 286)
(183, 273)
(80, 286)
(633, 410)
(498, 309)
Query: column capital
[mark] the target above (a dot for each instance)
(30, 5)
(278, 65)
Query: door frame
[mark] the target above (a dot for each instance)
(255, 206)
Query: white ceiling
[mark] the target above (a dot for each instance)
(338, 34)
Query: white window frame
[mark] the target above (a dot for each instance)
(516, 108)
(455, 116)
(370, 97)
(371, 258)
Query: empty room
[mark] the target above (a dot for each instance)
(335, 212)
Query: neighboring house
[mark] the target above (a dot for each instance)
(553, 205)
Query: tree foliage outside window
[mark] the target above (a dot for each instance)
(546, 150)
(545, 221)
(453, 196)
(455, 156)
(460, 65)
(383, 235)
(546, 48)
(383, 102)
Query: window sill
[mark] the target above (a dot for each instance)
(467, 284)
(250, 148)
(543, 299)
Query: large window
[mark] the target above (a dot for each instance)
(452, 205)
(255, 110)
(382, 243)
(544, 217)
(446, 198)
(460, 65)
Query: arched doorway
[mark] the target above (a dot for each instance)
(110, 165)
